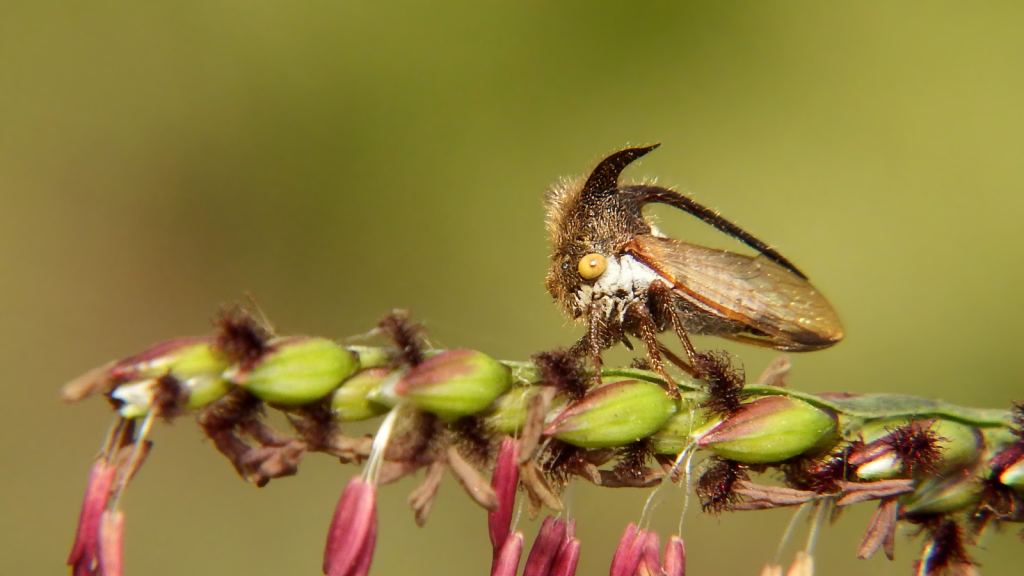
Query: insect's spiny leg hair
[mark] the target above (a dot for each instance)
(648, 194)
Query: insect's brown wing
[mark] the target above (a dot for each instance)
(784, 310)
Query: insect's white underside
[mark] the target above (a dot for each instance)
(623, 274)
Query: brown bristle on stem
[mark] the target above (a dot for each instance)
(633, 459)
(241, 336)
(564, 371)
(315, 424)
(1018, 419)
(917, 445)
(823, 476)
(474, 441)
(949, 541)
(561, 462)
(796, 472)
(231, 411)
(407, 336)
(169, 397)
(716, 486)
(222, 420)
(998, 502)
(419, 437)
(724, 381)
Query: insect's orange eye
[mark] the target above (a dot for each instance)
(592, 265)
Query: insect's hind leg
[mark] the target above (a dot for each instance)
(662, 301)
(677, 361)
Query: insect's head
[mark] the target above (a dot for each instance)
(590, 221)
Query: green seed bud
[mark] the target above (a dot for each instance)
(351, 402)
(962, 445)
(205, 390)
(295, 370)
(771, 429)
(194, 363)
(454, 383)
(613, 414)
(182, 357)
(944, 494)
(678, 432)
(200, 370)
(371, 356)
(509, 411)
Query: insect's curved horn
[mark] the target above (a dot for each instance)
(648, 194)
(602, 181)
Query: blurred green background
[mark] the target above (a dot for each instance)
(339, 159)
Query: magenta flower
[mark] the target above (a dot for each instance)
(555, 552)
(650, 556)
(627, 555)
(545, 547)
(567, 558)
(638, 555)
(99, 538)
(507, 561)
(675, 557)
(84, 558)
(353, 532)
(504, 481)
(111, 543)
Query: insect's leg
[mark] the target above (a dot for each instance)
(627, 343)
(677, 327)
(679, 362)
(595, 336)
(662, 300)
(594, 341)
(584, 348)
(581, 348)
(647, 330)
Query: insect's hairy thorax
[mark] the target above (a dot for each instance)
(625, 281)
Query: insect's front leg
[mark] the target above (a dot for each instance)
(584, 347)
(594, 341)
(597, 333)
